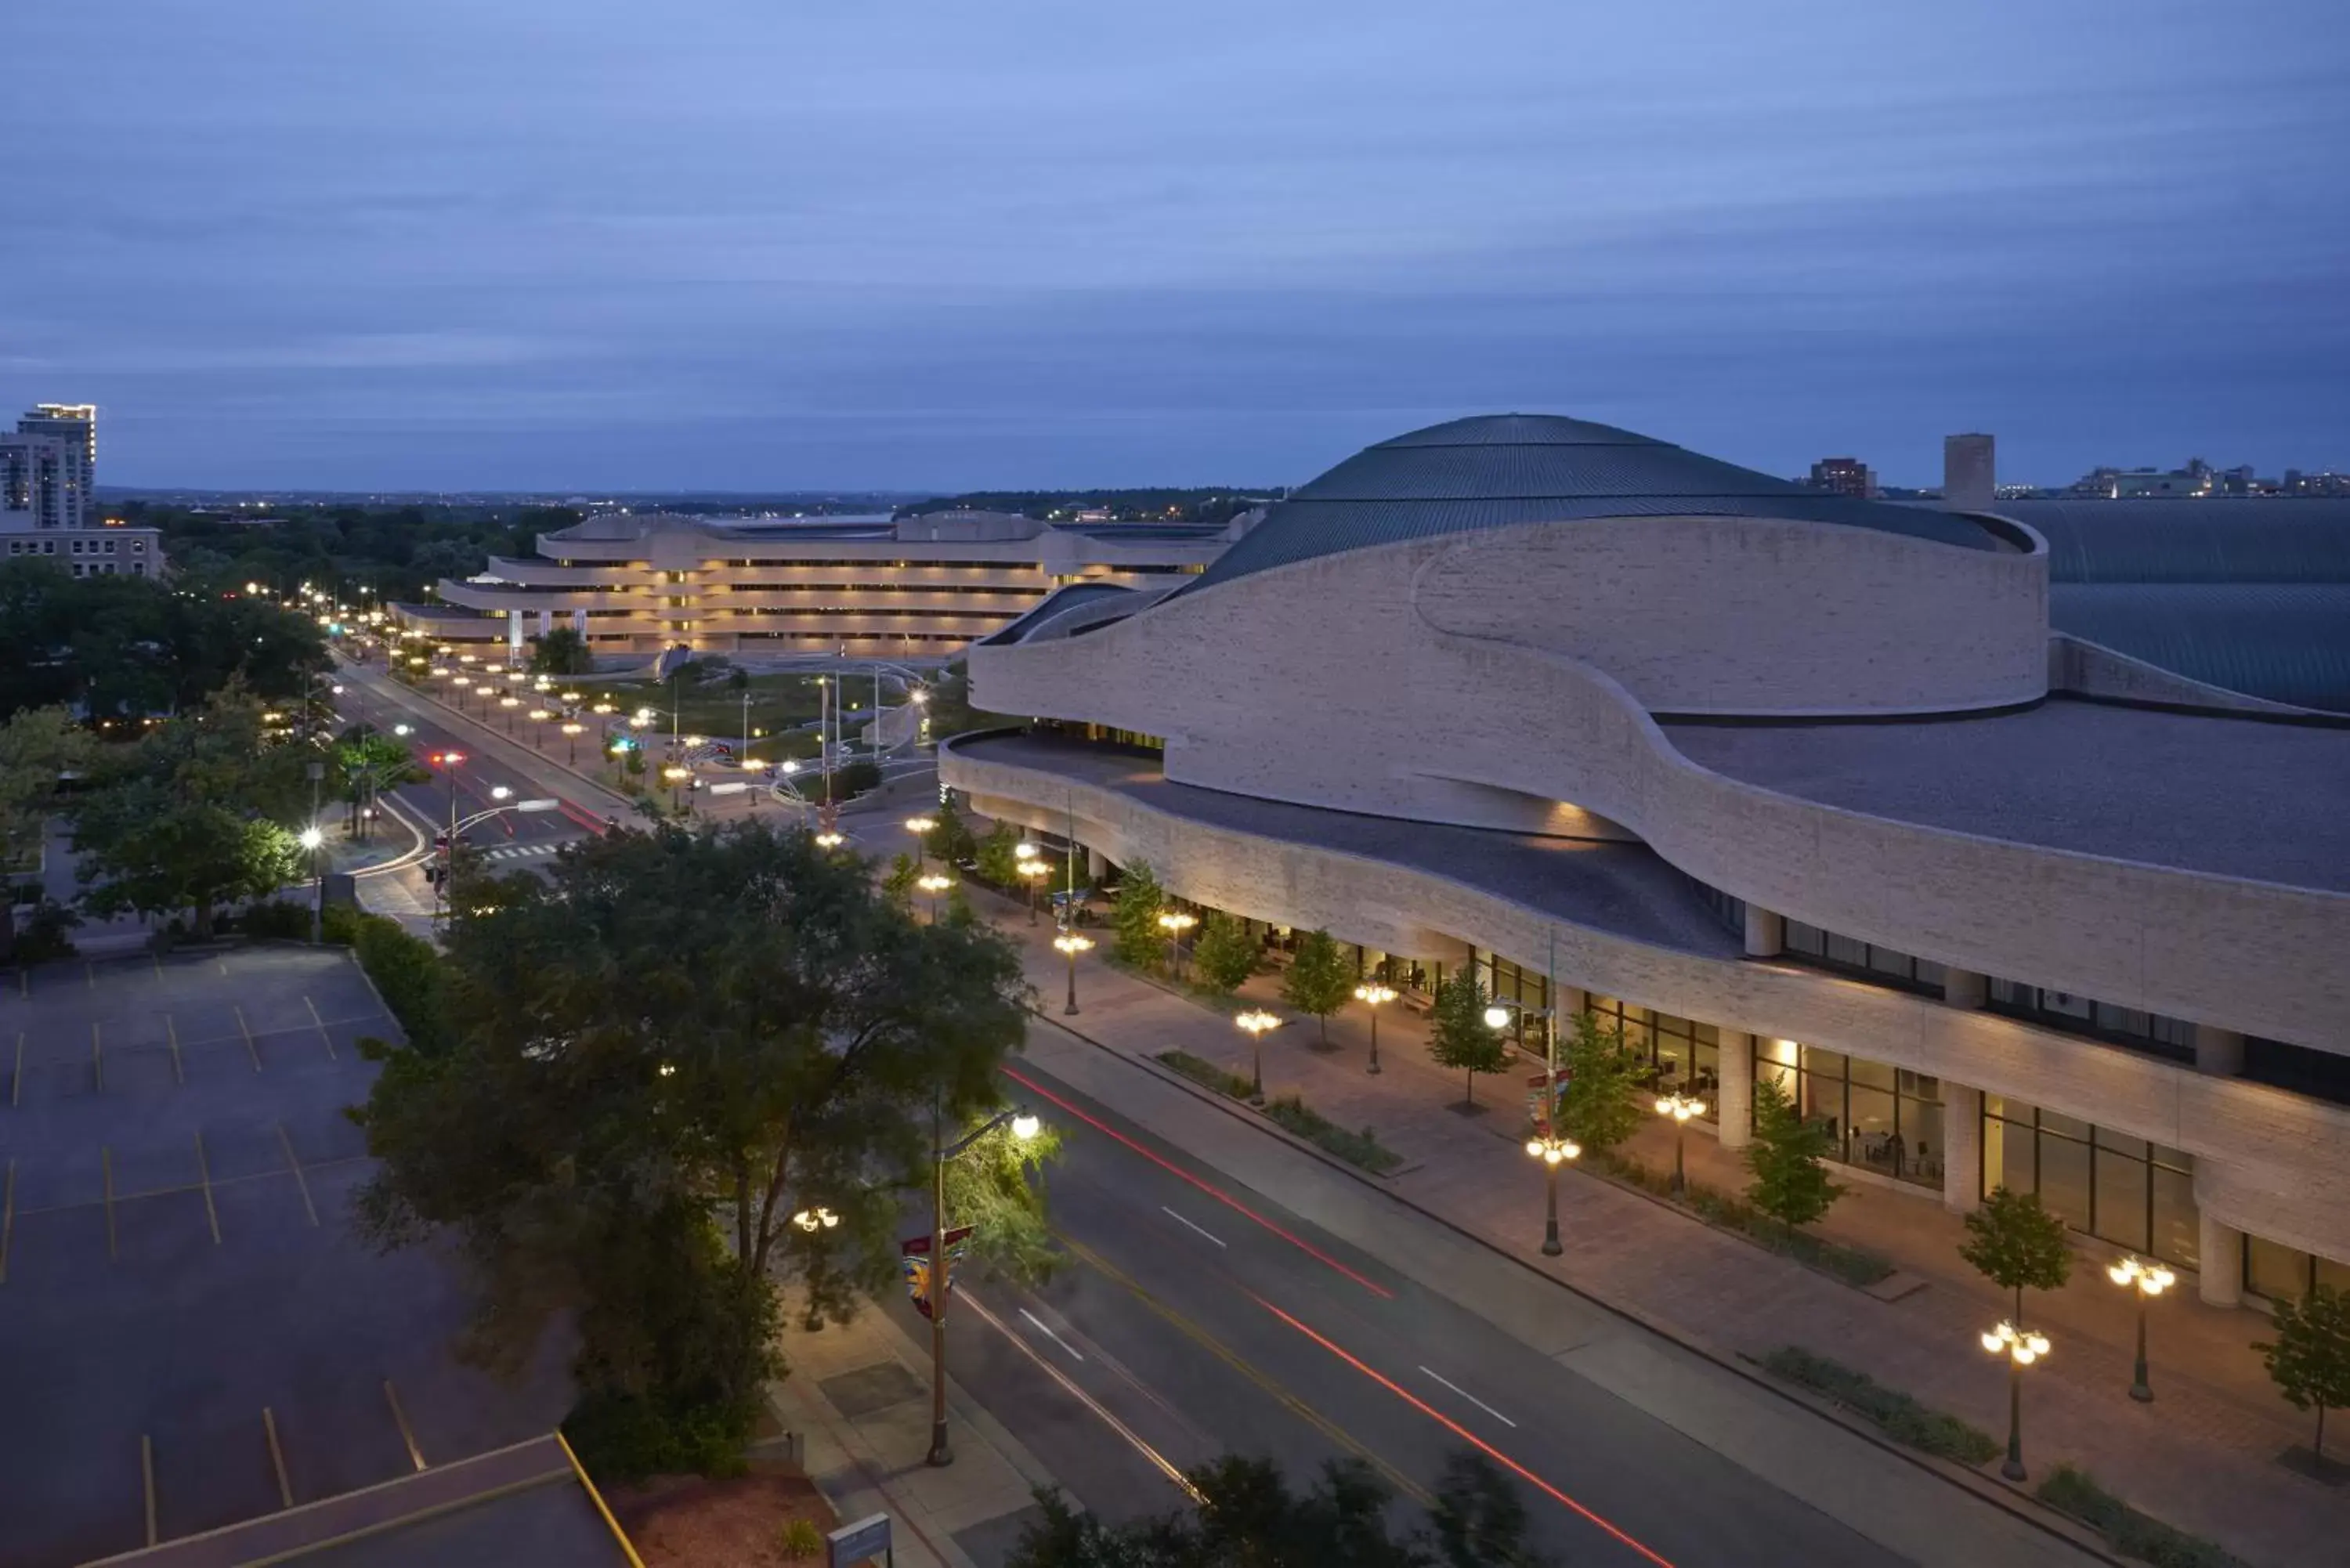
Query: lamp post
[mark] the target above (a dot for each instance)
(919, 826)
(2021, 1347)
(1024, 1127)
(1175, 922)
(2142, 1280)
(1032, 872)
(1374, 996)
(571, 732)
(510, 704)
(1680, 1107)
(1553, 1152)
(1256, 1024)
(676, 776)
(1497, 1017)
(934, 884)
(311, 840)
(1070, 945)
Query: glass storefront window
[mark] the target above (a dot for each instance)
(1680, 1055)
(2116, 1188)
(1881, 1118)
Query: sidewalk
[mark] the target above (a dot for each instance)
(2202, 1456)
(858, 1395)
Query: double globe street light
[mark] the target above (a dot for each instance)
(2143, 1280)
(2021, 1347)
(1256, 1023)
(1681, 1108)
(1374, 995)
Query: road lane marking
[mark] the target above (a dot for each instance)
(147, 1474)
(179, 1072)
(97, 1060)
(392, 1396)
(1185, 1223)
(1471, 1397)
(1278, 1392)
(246, 1030)
(1045, 1329)
(204, 1174)
(276, 1456)
(1218, 1194)
(299, 1180)
(1159, 1461)
(322, 1027)
(17, 1084)
(106, 1163)
(7, 1220)
(1465, 1435)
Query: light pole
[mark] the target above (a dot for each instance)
(2142, 1280)
(571, 732)
(1256, 1024)
(311, 840)
(1032, 872)
(919, 826)
(1024, 1127)
(1680, 1107)
(2021, 1347)
(1070, 945)
(1553, 1152)
(934, 884)
(1374, 996)
(676, 775)
(1175, 922)
(1497, 1017)
(510, 704)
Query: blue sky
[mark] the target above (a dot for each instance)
(580, 245)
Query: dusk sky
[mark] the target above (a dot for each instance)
(736, 244)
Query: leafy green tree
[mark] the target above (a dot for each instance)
(1134, 917)
(37, 746)
(143, 851)
(1600, 1103)
(1480, 1517)
(655, 1060)
(2309, 1359)
(995, 1186)
(1319, 979)
(998, 857)
(2016, 1243)
(1223, 954)
(1787, 1160)
(562, 650)
(898, 886)
(1459, 1036)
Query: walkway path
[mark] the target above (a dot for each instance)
(2203, 1456)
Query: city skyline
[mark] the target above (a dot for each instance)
(288, 250)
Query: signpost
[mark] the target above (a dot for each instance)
(866, 1541)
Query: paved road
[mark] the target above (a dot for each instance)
(1200, 1317)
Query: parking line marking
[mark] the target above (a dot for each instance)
(17, 1084)
(106, 1163)
(179, 1072)
(155, 959)
(221, 966)
(7, 1220)
(322, 1027)
(277, 1457)
(415, 1454)
(299, 1180)
(205, 1171)
(147, 1469)
(97, 1060)
(246, 1030)
(90, 974)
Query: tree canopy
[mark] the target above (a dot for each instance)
(1319, 979)
(1223, 955)
(1459, 1037)
(1786, 1159)
(2309, 1359)
(1599, 1101)
(1134, 917)
(2015, 1243)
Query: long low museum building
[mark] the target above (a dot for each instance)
(1790, 784)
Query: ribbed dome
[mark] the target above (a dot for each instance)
(1499, 469)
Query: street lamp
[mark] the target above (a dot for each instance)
(2021, 1347)
(510, 704)
(1024, 1127)
(1680, 1107)
(311, 840)
(2142, 1280)
(571, 732)
(1175, 922)
(816, 1219)
(919, 826)
(1032, 872)
(1069, 944)
(1256, 1024)
(1553, 1152)
(1374, 996)
(676, 776)
(934, 884)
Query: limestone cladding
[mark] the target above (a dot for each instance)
(1324, 684)
(2268, 1161)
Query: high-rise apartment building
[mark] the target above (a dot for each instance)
(73, 466)
(1844, 476)
(1970, 473)
(49, 472)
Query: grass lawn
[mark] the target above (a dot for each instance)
(715, 709)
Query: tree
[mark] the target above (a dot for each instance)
(561, 650)
(1786, 1159)
(950, 837)
(37, 746)
(1459, 1036)
(2309, 1359)
(998, 857)
(1134, 917)
(654, 1060)
(897, 887)
(2016, 1243)
(1223, 955)
(1599, 1101)
(1480, 1521)
(143, 851)
(1319, 979)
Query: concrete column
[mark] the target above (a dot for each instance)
(1962, 1147)
(1964, 988)
(1734, 1097)
(2218, 1052)
(1766, 932)
(1096, 869)
(2219, 1251)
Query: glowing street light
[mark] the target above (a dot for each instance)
(934, 884)
(919, 826)
(1681, 1108)
(1024, 1125)
(1256, 1023)
(816, 1219)
(1175, 922)
(2145, 1281)
(2021, 1347)
(1069, 945)
(1552, 1151)
(1375, 996)
(571, 732)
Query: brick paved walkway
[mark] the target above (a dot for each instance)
(2202, 1456)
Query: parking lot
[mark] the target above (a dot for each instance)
(190, 1335)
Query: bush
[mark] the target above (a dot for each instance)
(1853, 1265)
(623, 1436)
(2128, 1532)
(277, 920)
(1208, 1073)
(799, 1538)
(1898, 1415)
(43, 936)
(407, 971)
(1359, 1148)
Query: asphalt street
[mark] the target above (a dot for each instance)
(1196, 1317)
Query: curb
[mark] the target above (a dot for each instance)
(2017, 1504)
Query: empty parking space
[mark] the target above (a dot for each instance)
(187, 1323)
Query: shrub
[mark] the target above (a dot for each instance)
(1853, 1265)
(407, 971)
(1208, 1073)
(1900, 1418)
(43, 936)
(1360, 1148)
(799, 1538)
(623, 1436)
(2128, 1532)
(277, 920)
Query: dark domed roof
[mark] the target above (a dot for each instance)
(1501, 469)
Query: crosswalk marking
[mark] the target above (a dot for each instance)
(517, 851)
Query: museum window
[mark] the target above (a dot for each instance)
(2172, 1039)
(2119, 1188)
(2280, 1273)
(1863, 960)
(1878, 1118)
(1679, 1053)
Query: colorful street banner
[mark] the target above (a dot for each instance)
(1534, 1097)
(915, 1261)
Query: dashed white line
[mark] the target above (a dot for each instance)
(1471, 1399)
(1186, 1223)
(1044, 1329)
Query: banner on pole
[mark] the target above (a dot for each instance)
(1534, 1112)
(915, 1261)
